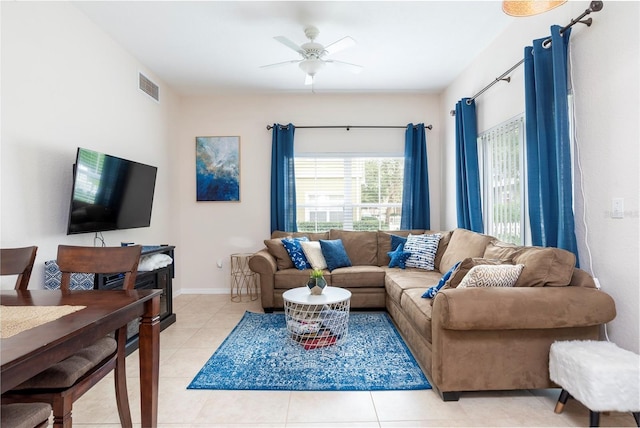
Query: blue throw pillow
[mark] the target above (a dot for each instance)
(398, 257)
(294, 249)
(334, 253)
(397, 240)
(432, 291)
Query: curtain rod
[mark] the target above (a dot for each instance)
(594, 6)
(347, 127)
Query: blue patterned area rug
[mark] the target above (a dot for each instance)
(258, 355)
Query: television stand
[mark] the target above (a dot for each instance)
(156, 279)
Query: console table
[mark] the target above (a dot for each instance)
(156, 279)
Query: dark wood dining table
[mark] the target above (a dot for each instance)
(27, 353)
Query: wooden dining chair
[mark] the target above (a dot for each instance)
(66, 381)
(18, 261)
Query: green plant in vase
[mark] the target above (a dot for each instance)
(316, 281)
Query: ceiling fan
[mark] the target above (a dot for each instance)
(314, 54)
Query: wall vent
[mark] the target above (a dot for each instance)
(148, 87)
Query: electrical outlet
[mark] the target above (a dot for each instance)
(617, 208)
(219, 263)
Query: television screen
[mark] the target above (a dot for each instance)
(110, 193)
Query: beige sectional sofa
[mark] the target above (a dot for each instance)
(465, 339)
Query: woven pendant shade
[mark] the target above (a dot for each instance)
(528, 8)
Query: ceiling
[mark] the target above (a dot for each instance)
(205, 47)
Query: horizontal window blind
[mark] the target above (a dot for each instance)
(351, 193)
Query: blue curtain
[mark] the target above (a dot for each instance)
(468, 202)
(415, 190)
(283, 179)
(548, 143)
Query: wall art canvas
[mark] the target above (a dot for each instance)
(218, 169)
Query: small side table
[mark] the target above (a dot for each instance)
(317, 321)
(242, 278)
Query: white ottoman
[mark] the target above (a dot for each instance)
(600, 375)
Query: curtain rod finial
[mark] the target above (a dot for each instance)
(596, 6)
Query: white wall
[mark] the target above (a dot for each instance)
(66, 84)
(606, 74)
(209, 231)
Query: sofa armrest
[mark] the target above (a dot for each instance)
(264, 264)
(498, 308)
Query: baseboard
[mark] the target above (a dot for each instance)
(203, 291)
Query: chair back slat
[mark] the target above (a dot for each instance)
(18, 261)
(72, 259)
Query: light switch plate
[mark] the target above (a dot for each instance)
(617, 208)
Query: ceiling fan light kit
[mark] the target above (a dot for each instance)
(314, 54)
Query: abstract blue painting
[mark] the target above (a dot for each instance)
(218, 169)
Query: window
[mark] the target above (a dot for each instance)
(503, 199)
(348, 192)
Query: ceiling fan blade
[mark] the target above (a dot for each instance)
(308, 80)
(280, 64)
(291, 45)
(343, 43)
(354, 68)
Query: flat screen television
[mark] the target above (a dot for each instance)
(110, 193)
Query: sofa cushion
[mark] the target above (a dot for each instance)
(463, 244)
(445, 238)
(277, 250)
(397, 281)
(418, 310)
(423, 250)
(361, 247)
(542, 265)
(358, 277)
(294, 278)
(384, 242)
(293, 247)
(398, 257)
(313, 253)
(491, 276)
(334, 253)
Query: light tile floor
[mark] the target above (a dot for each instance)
(203, 322)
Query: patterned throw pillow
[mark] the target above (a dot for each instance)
(313, 252)
(492, 276)
(53, 278)
(398, 257)
(293, 247)
(423, 250)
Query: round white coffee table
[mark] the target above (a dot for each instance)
(317, 321)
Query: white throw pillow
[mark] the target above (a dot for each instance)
(492, 276)
(423, 250)
(153, 262)
(313, 252)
